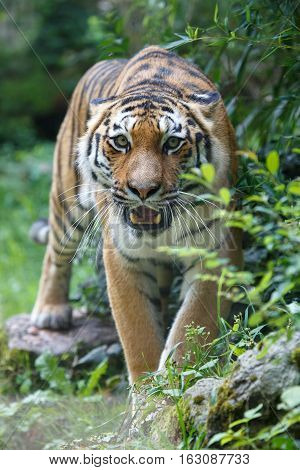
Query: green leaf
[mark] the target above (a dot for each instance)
(213, 263)
(174, 392)
(208, 172)
(248, 154)
(262, 353)
(272, 162)
(248, 14)
(216, 438)
(255, 319)
(93, 381)
(227, 439)
(291, 397)
(209, 364)
(49, 370)
(225, 195)
(255, 198)
(236, 350)
(294, 188)
(253, 412)
(216, 13)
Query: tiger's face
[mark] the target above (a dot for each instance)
(137, 151)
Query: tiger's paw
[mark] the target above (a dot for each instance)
(54, 317)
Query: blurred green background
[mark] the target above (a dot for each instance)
(250, 49)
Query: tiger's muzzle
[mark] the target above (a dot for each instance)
(146, 219)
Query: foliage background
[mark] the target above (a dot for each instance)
(249, 48)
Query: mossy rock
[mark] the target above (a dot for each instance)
(260, 376)
(165, 428)
(199, 398)
(295, 356)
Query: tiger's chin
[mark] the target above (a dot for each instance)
(144, 219)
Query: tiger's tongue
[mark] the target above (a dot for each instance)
(144, 215)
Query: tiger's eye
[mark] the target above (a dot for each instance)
(173, 142)
(121, 141)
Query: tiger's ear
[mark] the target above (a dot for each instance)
(205, 97)
(205, 101)
(99, 104)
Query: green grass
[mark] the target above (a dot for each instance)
(25, 179)
(44, 420)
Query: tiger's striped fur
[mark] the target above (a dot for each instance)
(124, 176)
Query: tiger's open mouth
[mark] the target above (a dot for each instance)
(144, 218)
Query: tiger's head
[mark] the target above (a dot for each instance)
(137, 146)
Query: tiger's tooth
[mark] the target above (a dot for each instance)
(133, 218)
(157, 219)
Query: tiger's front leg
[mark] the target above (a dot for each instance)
(200, 303)
(198, 308)
(133, 313)
(52, 309)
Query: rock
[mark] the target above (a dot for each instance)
(164, 427)
(114, 349)
(98, 354)
(259, 376)
(95, 356)
(155, 418)
(85, 333)
(198, 398)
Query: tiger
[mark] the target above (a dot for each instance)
(132, 130)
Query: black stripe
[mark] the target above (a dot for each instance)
(148, 275)
(97, 139)
(128, 258)
(145, 105)
(208, 149)
(105, 76)
(167, 109)
(62, 253)
(149, 55)
(199, 137)
(73, 223)
(188, 135)
(58, 265)
(71, 151)
(153, 300)
(157, 262)
(160, 84)
(95, 68)
(149, 96)
(188, 68)
(89, 149)
(190, 186)
(164, 291)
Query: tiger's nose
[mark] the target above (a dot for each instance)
(143, 192)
